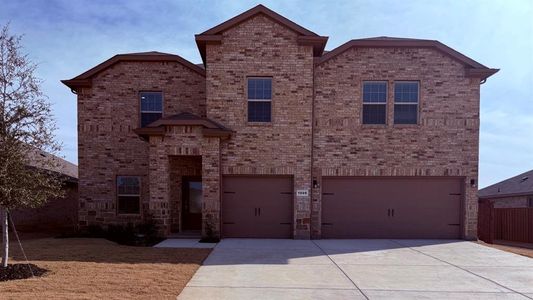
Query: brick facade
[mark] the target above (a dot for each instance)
(444, 143)
(315, 131)
(108, 112)
(180, 166)
(512, 202)
(282, 147)
(58, 214)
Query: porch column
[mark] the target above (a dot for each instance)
(211, 187)
(158, 178)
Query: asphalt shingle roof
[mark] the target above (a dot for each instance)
(519, 185)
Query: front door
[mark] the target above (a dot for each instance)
(191, 203)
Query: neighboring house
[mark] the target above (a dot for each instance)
(58, 213)
(274, 137)
(513, 192)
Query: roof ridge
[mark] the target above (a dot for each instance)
(260, 8)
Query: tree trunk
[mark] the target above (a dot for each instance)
(5, 239)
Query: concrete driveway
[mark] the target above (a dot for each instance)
(360, 269)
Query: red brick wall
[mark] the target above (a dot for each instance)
(509, 202)
(56, 214)
(184, 141)
(107, 114)
(262, 47)
(444, 143)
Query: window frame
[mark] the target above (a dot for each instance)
(417, 103)
(363, 103)
(140, 104)
(248, 100)
(117, 195)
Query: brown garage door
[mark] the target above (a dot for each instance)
(388, 207)
(259, 207)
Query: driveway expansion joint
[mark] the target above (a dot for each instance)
(463, 269)
(340, 269)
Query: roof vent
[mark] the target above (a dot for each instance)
(524, 179)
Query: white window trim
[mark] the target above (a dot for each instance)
(375, 103)
(417, 92)
(260, 100)
(408, 103)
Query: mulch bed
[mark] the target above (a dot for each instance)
(20, 271)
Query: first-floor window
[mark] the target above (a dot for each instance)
(128, 194)
(406, 102)
(374, 102)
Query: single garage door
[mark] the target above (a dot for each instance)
(388, 207)
(258, 207)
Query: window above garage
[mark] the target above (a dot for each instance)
(259, 99)
(374, 102)
(406, 98)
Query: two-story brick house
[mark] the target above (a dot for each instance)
(274, 137)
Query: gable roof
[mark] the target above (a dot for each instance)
(474, 69)
(84, 79)
(306, 37)
(516, 186)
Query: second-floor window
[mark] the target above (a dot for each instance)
(374, 102)
(151, 107)
(259, 99)
(406, 102)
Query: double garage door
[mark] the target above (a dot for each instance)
(387, 207)
(352, 207)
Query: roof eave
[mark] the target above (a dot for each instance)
(506, 195)
(473, 68)
(85, 79)
(318, 43)
(482, 74)
(75, 84)
(203, 40)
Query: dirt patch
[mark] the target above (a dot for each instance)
(20, 271)
(525, 251)
(97, 268)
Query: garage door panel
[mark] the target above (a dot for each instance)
(387, 207)
(257, 207)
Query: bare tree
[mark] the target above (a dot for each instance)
(26, 128)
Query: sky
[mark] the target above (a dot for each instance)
(69, 37)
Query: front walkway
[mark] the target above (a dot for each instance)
(360, 269)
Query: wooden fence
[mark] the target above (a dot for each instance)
(506, 224)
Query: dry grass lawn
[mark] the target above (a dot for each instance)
(100, 269)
